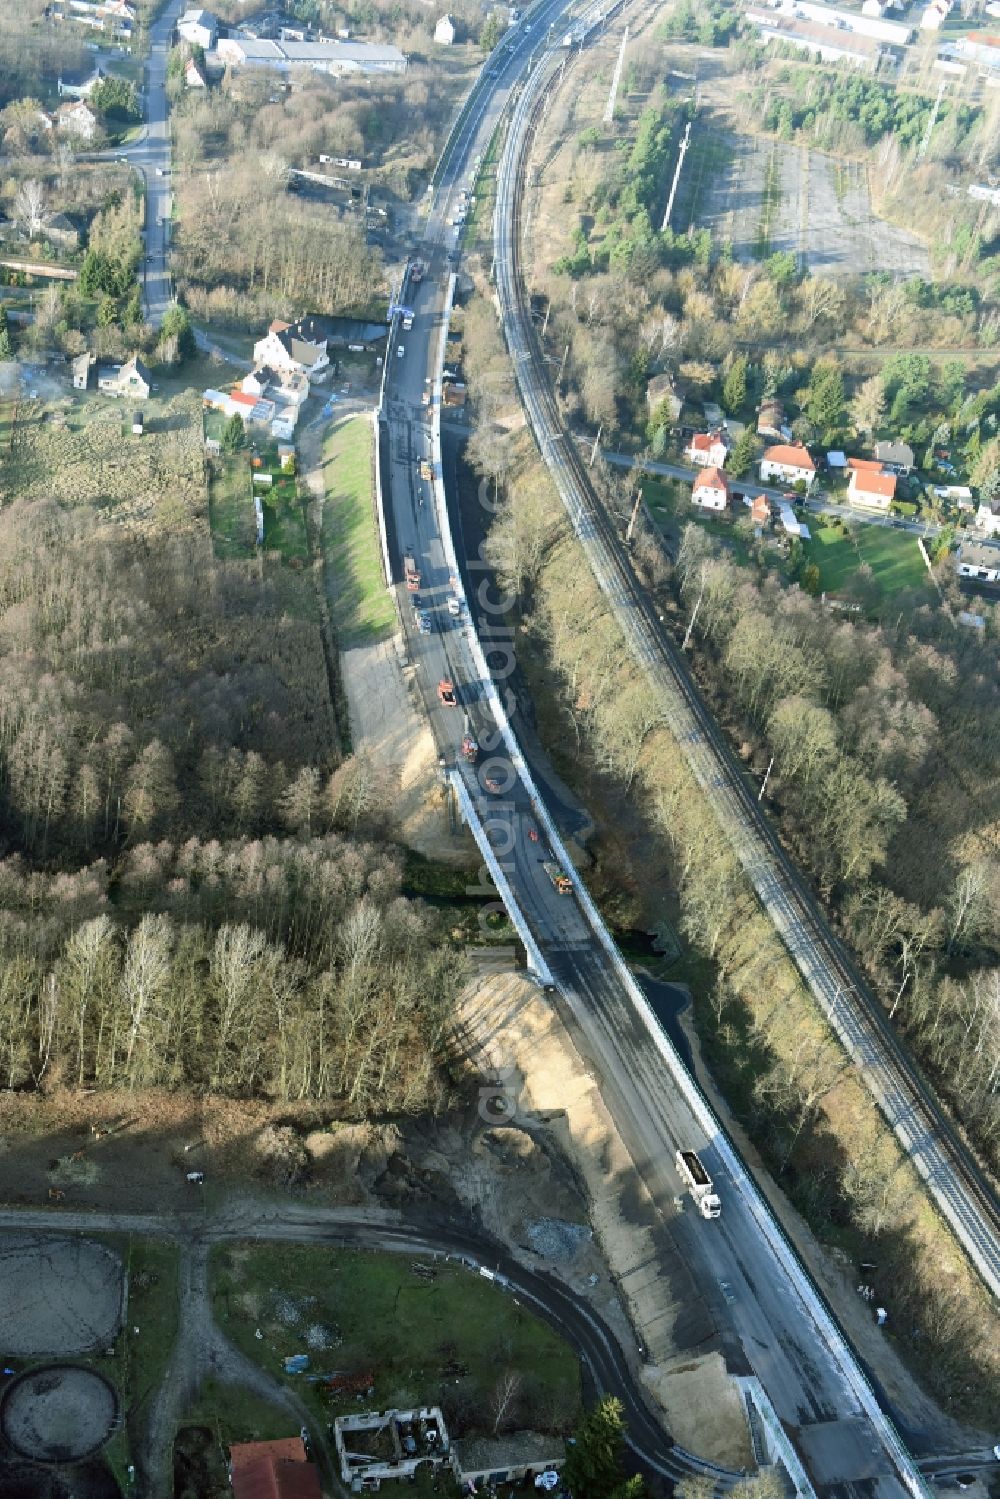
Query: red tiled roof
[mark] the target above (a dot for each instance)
(285, 1449)
(243, 398)
(868, 483)
(711, 478)
(792, 456)
(278, 326)
(865, 465)
(273, 1470)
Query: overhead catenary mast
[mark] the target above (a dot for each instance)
(609, 112)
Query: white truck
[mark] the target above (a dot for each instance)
(699, 1183)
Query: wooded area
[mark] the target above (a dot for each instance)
(150, 692)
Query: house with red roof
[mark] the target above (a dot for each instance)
(791, 463)
(869, 486)
(273, 1470)
(710, 490)
(708, 449)
(760, 511)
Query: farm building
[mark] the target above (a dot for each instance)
(491, 1461)
(273, 1470)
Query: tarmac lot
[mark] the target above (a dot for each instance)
(58, 1296)
(765, 196)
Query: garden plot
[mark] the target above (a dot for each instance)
(764, 196)
(82, 451)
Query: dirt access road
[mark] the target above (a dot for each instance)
(201, 1351)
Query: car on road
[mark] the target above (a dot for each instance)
(424, 624)
(400, 351)
(417, 602)
(446, 693)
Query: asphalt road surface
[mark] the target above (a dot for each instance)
(149, 154)
(764, 1322)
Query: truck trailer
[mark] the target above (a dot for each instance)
(698, 1182)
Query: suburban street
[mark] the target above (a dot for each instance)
(149, 154)
(816, 504)
(766, 1315)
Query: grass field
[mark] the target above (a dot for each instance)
(893, 557)
(450, 1337)
(361, 607)
(230, 508)
(71, 448)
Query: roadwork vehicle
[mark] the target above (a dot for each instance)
(411, 573)
(698, 1182)
(446, 693)
(560, 880)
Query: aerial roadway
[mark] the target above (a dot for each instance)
(766, 1314)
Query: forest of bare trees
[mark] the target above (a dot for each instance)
(188, 891)
(884, 776)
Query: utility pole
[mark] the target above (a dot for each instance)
(767, 777)
(609, 112)
(933, 120)
(597, 443)
(545, 324)
(694, 616)
(677, 177)
(562, 366)
(632, 518)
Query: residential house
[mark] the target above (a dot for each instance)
(131, 379)
(284, 387)
(988, 518)
(444, 31)
(273, 1470)
(76, 118)
(935, 15)
(299, 348)
(662, 392)
(193, 76)
(710, 490)
(708, 449)
(760, 511)
(324, 57)
(870, 486)
(980, 48)
(488, 1462)
(977, 559)
(81, 367)
(61, 231)
(791, 463)
(79, 83)
(895, 457)
(771, 419)
(199, 27)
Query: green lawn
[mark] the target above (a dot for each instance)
(450, 1336)
(230, 508)
(893, 557)
(361, 607)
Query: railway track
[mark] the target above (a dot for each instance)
(963, 1192)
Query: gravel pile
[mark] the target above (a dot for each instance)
(555, 1239)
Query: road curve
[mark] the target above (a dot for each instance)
(961, 1190)
(605, 1361)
